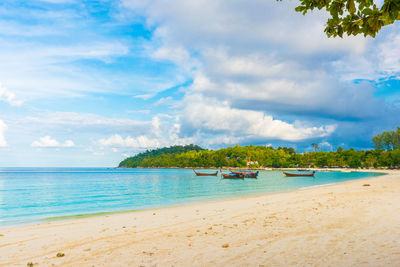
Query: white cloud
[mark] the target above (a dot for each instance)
(35, 67)
(102, 51)
(144, 97)
(139, 142)
(242, 125)
(325, 146)
(381, 59)
(142, 111)
(389, 55)
(260, 56)
(262, 71)
(164, 131)
(169, 101)
(9, 96)
(248, 25)
(84, 122)
(58, 1)
(48, 142)
(3, 128)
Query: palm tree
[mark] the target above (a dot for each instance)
(315, 145)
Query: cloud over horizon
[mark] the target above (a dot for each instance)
(48, 142)
(3, 128)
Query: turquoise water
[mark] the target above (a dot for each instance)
(30, 195)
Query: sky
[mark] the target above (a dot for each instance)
(88, 83)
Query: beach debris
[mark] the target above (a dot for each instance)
(366, 185)
(225, 245)
(30, 264)
(1, 235)
(60, 254)
(154, 213)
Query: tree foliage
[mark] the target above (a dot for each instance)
(261, 156)
(388, 140)
(354, 17)
(385, 154)
(139, 158)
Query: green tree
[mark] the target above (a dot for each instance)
(354, 17)
(315, 146)
(378, 141)
(387, 140)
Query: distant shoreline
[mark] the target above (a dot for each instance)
(269, 169)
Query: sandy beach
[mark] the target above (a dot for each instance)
(356, 223)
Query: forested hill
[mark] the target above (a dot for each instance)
(386, 154)
(261, 156)
(139, 159)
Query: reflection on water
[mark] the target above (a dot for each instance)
(31, 194)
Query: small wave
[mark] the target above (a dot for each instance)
(313, 186)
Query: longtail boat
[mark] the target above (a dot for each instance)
(232, 176)
(205, 174)
(290, 174)
(247, 174)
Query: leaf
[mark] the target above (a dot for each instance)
(352, 7)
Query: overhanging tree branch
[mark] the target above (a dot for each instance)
(354, 17)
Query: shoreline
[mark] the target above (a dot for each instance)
(69, 217)
(341, 224)
(258, 194)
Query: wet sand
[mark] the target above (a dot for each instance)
(356, 223)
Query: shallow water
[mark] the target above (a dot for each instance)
(30, 195)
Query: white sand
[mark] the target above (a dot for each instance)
(346, 224)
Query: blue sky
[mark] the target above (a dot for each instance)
(87, 83)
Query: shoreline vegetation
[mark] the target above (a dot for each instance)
(385, 155)
(261, 157)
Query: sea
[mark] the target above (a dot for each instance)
(34, 195)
